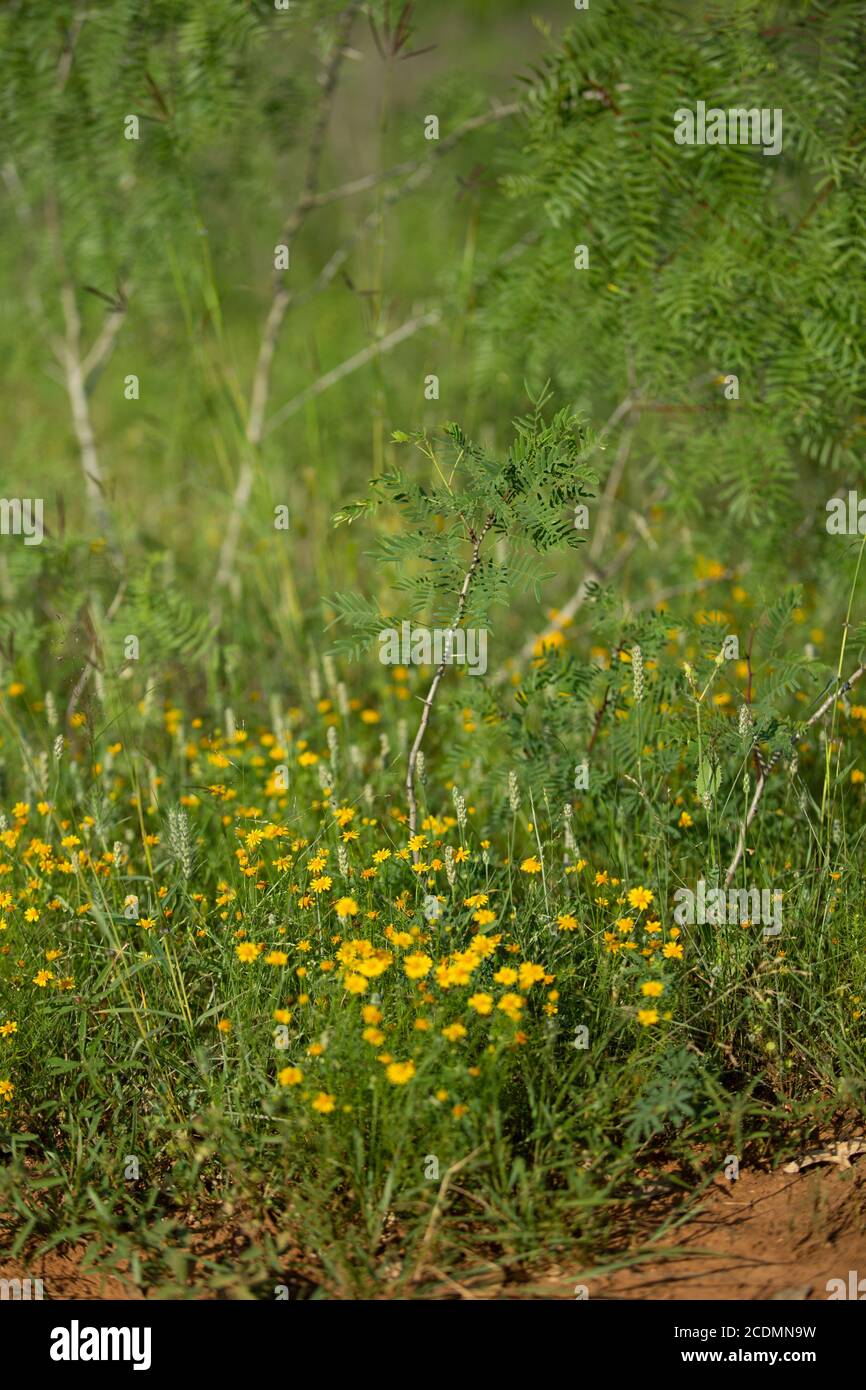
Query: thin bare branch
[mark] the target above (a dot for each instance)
(409, 166)
(104, 344)
(293, 224)
(64, 67)
(91, 663)
(436, 1213)
(352, 364)
(246, 474)
(767, 768)
(78, 403)
(418, 173)
(277, 311)
(362, 185)
(594, 573)
(477, 541)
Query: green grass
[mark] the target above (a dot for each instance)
(508, 1145)
(132, 1122)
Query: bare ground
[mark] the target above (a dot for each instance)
(770, 1235)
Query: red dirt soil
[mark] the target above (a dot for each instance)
(767, 1236)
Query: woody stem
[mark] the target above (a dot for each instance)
(434, 686)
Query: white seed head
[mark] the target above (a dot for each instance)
(179, 840)
(333, 745)
(637, 673)
(275, 710)
(450, 866)
(147, 698)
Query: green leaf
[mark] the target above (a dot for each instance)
(707, 780)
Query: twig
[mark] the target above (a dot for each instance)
(277, 312)
(418, 172)
(64, 66)
(436, 1213)
(294, 222)
(77, 392)
(597, 722)
(362, 185)
(611, 488)
(103, 346)
(324, 383)
(375, 349)
(421, 172)
(593, 574)
(91, 663)
(440, 670)
(409, 166)
(768, 767)
(78, 366)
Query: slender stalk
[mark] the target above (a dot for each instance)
(418, 172)
(765, 770)
(843, 645)
(440, 671)
(277, 312)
